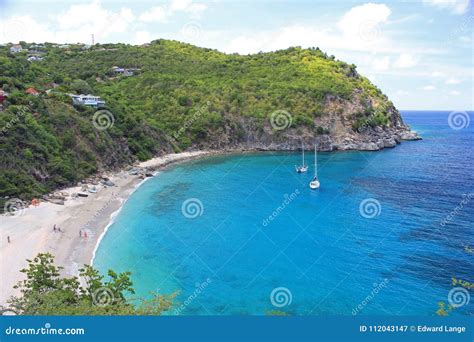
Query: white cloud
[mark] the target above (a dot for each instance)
(26, 28)
(155, 14)
(455, 6)
(359, 29)
(437, 73)
(381, 64)
(454, 92)
(452, 80)
(161, 14)
(187, 6)
(364, 20)
(428, 87)
(142, 37)
(405, 60)
(76, 24)
(92, 18)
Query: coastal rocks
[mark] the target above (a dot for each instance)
(409, 135)
(369, 146)
(389, 143)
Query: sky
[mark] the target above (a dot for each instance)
(420, 52)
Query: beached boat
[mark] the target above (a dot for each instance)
(314, 184)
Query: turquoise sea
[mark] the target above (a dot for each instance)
(385, 234)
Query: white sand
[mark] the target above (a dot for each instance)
(31, 231)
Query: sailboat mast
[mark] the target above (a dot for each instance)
(315, 162)
(302, 147)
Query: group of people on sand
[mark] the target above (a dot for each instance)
(57, 229)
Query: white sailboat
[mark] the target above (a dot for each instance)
(303, 167)
(314, 184)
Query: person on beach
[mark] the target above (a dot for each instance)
(85, 234)
(54, 228)
(8, 238)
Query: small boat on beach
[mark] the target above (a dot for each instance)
(314, 184)
(303, 167)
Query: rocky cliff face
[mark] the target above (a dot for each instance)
(336, 131)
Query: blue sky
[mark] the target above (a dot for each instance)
(420, 53)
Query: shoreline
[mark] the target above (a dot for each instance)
(113, 216)
(31, 230)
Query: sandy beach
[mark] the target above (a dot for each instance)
(31, 230)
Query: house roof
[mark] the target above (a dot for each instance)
(32, 91)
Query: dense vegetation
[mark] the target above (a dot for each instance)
(181, 97)
(45, 292)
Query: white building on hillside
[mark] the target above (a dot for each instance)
(16, 48)
(87, 100)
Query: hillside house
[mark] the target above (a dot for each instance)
(124, 71)
(32, 91)
(15, 48)
(87, 100)
(34, 58)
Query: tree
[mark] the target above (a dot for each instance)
(81, 87)
(45, 292)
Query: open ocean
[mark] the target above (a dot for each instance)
(385, 234)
